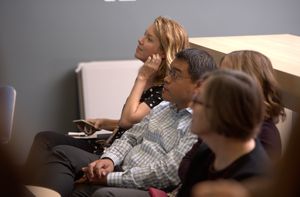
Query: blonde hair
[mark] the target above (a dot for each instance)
(260, 68)
(173, 38)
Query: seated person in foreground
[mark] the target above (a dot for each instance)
(283, 183)
(228, 128)
(148, 154)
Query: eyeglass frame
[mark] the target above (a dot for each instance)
(173, 73)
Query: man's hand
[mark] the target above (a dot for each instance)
(96, 172)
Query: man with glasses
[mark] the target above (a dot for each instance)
(148, 154)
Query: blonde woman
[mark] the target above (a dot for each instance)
(157, 48)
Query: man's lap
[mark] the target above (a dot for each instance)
(79, 158)
(75, 155)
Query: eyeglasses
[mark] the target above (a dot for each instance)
(174, 74)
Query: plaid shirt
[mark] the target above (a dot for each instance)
(150, 152)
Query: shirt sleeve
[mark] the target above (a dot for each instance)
(160, 174)
(120, 148)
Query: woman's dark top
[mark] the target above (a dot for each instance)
(269, 138)
(152, 97)
(201, 168)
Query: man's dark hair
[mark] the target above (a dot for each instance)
(199, 62)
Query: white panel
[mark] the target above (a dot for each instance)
(104, 87)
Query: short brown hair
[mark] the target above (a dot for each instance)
(235, 103)
(199, 62)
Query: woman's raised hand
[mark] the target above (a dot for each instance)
(150, 67)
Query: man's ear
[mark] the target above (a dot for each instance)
(197, 86)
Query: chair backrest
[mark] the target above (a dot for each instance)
(104, 87)
(7, 106)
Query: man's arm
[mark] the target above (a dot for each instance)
(119, 149)
(96, 172)
(160, 174)
(134, 111)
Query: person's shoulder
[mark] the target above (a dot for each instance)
(160, 108)
(257, 156)
(163, 105)
(270, 139)
(203, 151)
(255, 163)
(268, 125)
(259, 152)
(269, 133)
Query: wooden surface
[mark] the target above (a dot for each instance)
(282, 49)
